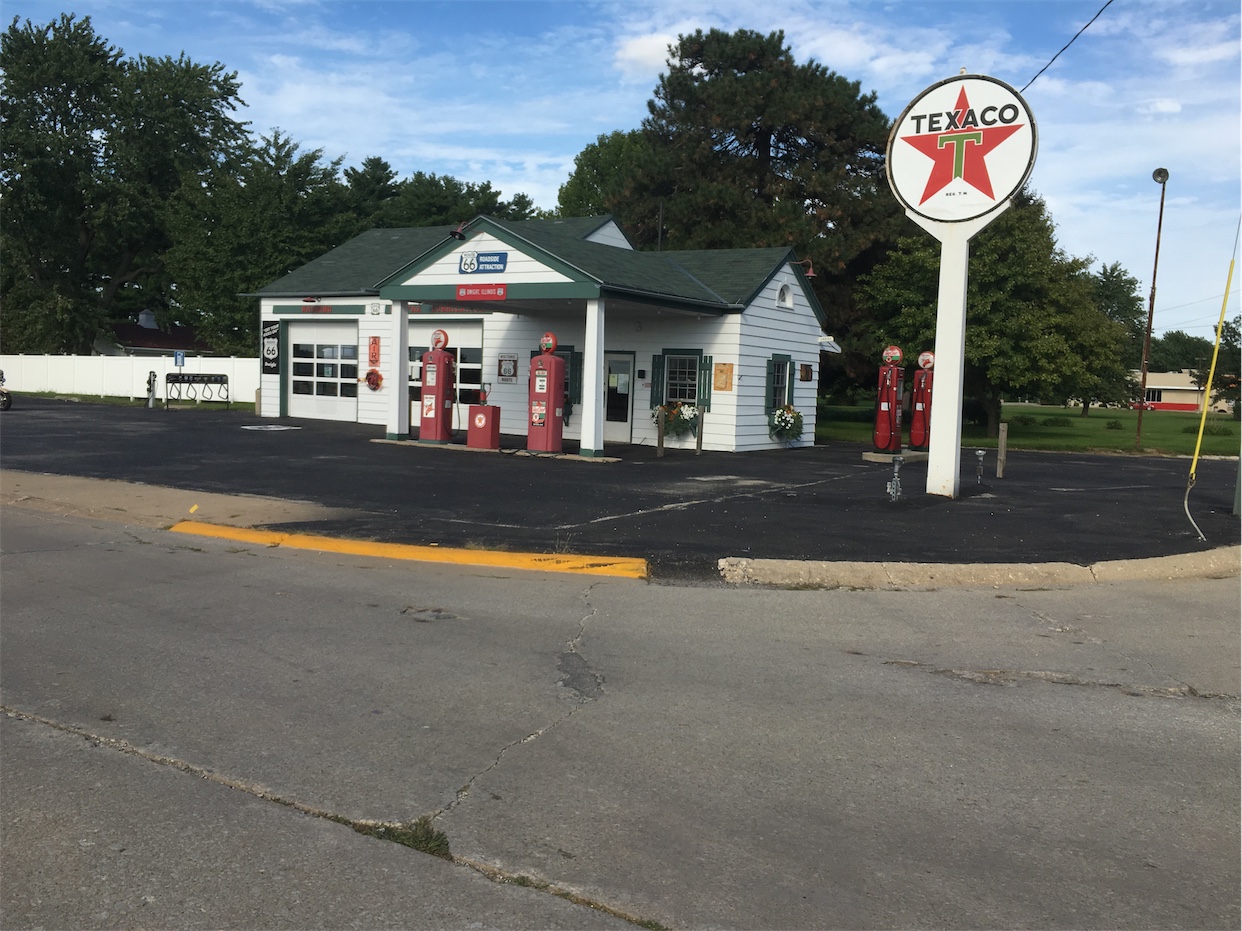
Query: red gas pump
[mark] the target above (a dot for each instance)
(439, 380)
(546, 420)
(921, 402)
(887, 432)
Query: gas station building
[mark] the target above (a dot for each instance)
(735, 333)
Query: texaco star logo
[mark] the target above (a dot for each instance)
(963, 147)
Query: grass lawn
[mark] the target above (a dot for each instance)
(1063, 430)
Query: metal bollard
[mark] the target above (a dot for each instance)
(151, 390)
(894, 487)
(979, 468)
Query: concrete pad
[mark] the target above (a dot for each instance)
(1222, 563)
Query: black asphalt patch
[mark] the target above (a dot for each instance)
(682, 512)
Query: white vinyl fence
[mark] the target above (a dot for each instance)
(123, 376)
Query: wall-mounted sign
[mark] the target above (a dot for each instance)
(477, 263)
(507, 368)
(962, 148)
(722, 376)
(481, 292)
(373, 351)
(269, 340)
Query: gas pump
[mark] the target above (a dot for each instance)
(921, 402)
(886, 435)
(546, 418)
(439, 380)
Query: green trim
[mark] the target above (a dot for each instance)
(590, 453)
(396, 436)
(434, 442)
(658, 370)
(319, 310)
(447, 293)
(769, 383)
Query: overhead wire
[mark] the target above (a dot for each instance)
(1067, 45)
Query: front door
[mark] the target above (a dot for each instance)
(618, 396)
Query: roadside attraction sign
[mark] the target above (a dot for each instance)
(955, 158)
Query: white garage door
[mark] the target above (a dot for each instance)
(323, 371)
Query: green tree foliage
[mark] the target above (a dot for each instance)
(434, 200)
(273, 210)
(744, 146)
(1033, 328)
(1117, 295)
(1176, 350)
(602, 171)
(96, 146)
(1226, 383)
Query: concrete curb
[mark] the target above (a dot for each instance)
(1225, 562)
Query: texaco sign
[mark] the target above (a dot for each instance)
(961, 149)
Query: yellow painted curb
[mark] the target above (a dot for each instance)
(621, 567)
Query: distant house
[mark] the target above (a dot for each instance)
(737, 333)
(144, 338)
(1176, 391)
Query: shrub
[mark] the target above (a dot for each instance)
(1023, 420)
(1056, 422)
(1113, 425)
(1211, 429)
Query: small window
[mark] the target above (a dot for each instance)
(681, 379)
(784, 297)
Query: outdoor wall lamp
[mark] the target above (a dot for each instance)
(459, 233)
(1160, 176)
(810, 269)
(310, 300)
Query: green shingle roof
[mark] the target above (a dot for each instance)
(723, 280)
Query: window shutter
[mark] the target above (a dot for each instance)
(705, 383)
(657, 381)
(769, 386)
(789, 383)
(575, 377)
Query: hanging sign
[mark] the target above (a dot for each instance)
(269, 339)
(481, 292)
(963, 147)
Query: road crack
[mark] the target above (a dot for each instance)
(1010, 677)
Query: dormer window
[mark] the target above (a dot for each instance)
(784, 297)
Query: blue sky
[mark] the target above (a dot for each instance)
(510, 92)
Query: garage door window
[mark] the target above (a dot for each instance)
(325, 370)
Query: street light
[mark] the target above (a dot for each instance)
(1160, 176)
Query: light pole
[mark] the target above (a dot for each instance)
(1160, 176)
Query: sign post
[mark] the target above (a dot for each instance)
(955, 158)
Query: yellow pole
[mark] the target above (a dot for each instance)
(1207, 391)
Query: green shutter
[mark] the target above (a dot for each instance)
(657, 381)
(768, 386)
(575, 377)
(705, 383)
(789, 383)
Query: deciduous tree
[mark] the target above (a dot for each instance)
(96, 146)
(1033, 328)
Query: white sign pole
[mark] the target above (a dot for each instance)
(955, 158)
(944, 451)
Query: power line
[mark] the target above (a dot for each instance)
(1067, 45)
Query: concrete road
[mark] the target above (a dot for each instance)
(186, 715)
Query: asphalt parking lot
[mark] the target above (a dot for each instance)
(682, 512)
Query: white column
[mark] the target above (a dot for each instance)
(944, 449)
(397, 376)
(592, 443)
